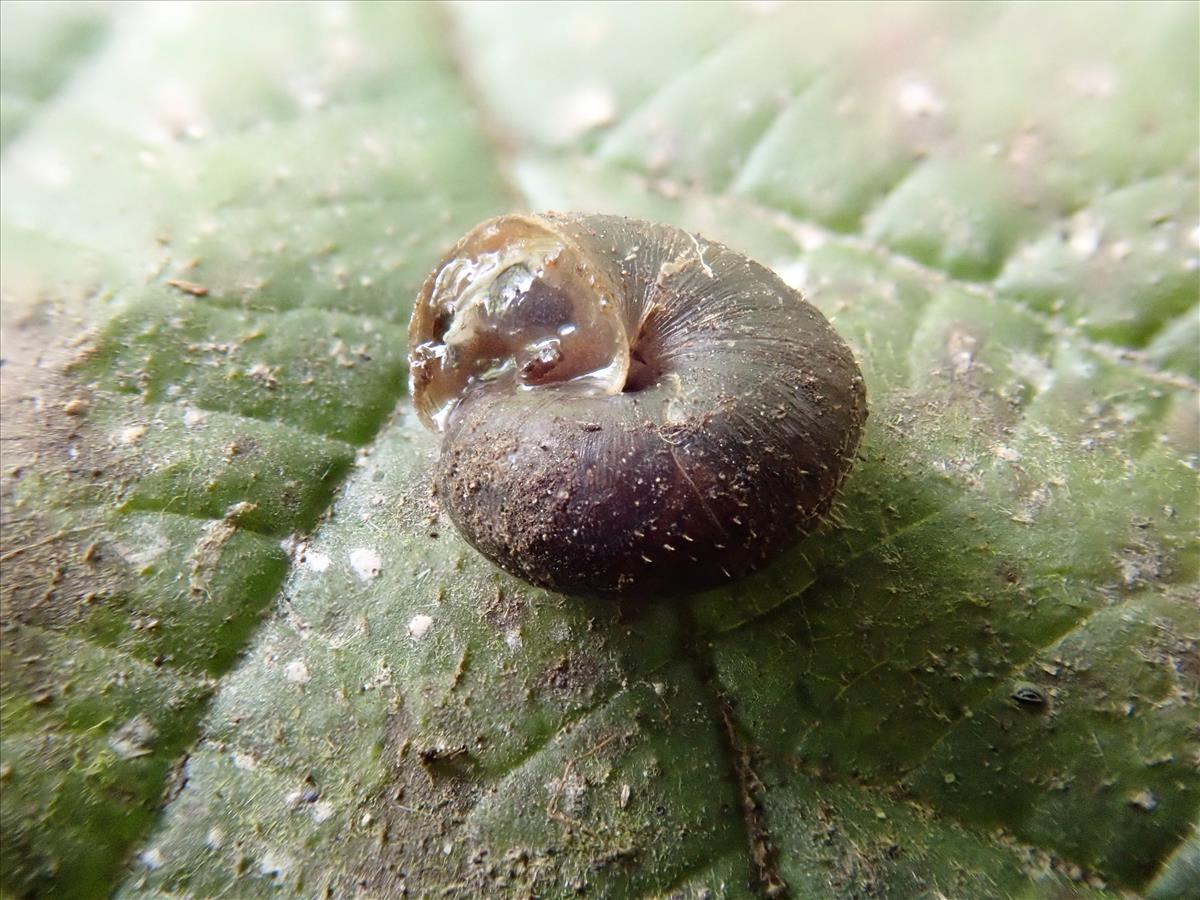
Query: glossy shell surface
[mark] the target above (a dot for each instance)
(627, 408)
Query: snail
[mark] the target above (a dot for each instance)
(627, 408)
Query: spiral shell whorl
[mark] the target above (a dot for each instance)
(725, 414)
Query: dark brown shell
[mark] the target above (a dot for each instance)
(713, 433)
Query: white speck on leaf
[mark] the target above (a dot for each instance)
(1084, 238)
(132, 435)
(133, 739)
(237, 510)
(794, 275)
(244, 761)
(918, 99)
(1008, 454)
(418, 626)
(321, 811)
(264, 375)
(587, 107)
(1144, 799)
(961, 345)
(1097, 81)
(1120, 250)
(297, 672)
(194, 418)
(310, 96)
(808, 236)
(52, 170)
(273, 866)
(1025, 147)
(314, 559)
(366, 563)
(1032, 369)
(152, 858)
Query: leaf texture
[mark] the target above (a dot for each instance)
(243, 652)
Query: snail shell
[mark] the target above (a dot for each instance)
(627, 408)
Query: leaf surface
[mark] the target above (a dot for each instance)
(243, 652)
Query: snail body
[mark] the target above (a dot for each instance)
(627, 408)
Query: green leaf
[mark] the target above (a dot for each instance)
(242, 650)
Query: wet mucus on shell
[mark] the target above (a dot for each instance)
(627, 408)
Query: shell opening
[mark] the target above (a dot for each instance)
(514, 312)
(646, 363)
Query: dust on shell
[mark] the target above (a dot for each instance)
(627, 408)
